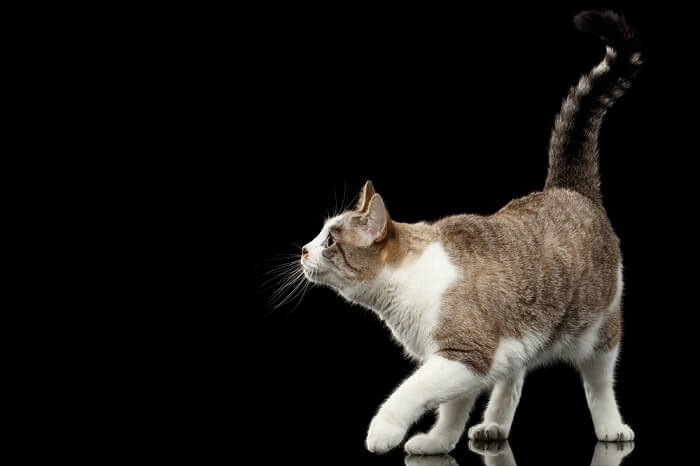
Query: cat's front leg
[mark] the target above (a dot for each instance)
(446, 432)
(437, 381)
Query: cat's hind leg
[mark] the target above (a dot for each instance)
(598, 379)
(500, 411)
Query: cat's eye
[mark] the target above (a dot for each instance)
(330, 241)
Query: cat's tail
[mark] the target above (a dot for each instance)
(573, 147)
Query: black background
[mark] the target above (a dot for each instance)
(447, 112)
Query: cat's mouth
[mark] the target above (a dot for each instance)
(307, 270)
(310, 271)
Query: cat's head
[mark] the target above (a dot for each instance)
(351, 247)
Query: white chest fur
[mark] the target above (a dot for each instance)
(408, 298)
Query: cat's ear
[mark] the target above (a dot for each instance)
(365, 195)
(375, 222)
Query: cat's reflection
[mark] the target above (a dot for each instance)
(498, 453)
(611, 454)
(494, 453)
(439, 460)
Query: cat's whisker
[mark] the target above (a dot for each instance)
(281, 267)
(289, 273)
(292, 294)
(283, 260)
(284, 263)
(267, 283)
(282, 256)
(308, 285)
(277, 272)
(350, 203)
(345, 188)
(335, 203)
(280, 300)
(296, 292)
(313, 266)
(287, 278)
(288, 281)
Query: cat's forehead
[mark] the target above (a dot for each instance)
(334, 223)
(340, 222)
(344, 228)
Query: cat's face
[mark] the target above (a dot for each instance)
(350, 248)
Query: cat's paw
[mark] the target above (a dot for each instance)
(490, 448)
(488, 431)
(614, 432)
(383, 435)
(430, 444)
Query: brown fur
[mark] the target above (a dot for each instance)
(547, 263)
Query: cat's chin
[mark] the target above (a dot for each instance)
(315, 276)
(323, 278)
(310, 276)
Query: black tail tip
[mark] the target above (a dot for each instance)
(608, 25)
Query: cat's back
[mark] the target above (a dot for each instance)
(560, 215)
(542, 223)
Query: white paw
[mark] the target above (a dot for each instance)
(383, 435)
(492, 449)
(614, 432)
(441, 460)
(488, 431)
(430, 444)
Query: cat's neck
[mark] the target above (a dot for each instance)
(407, 241)
(406, 244)
(406, 293)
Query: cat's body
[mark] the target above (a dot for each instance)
(478, 300)
(466, 282)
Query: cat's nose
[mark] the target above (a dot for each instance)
(304, 251)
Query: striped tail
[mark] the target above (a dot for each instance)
(573, 147)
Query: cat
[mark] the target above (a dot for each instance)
(479, 300)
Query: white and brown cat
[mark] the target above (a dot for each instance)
(479, 300)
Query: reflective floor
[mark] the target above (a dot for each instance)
(501, 454)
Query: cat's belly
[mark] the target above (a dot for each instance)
(534, 350)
